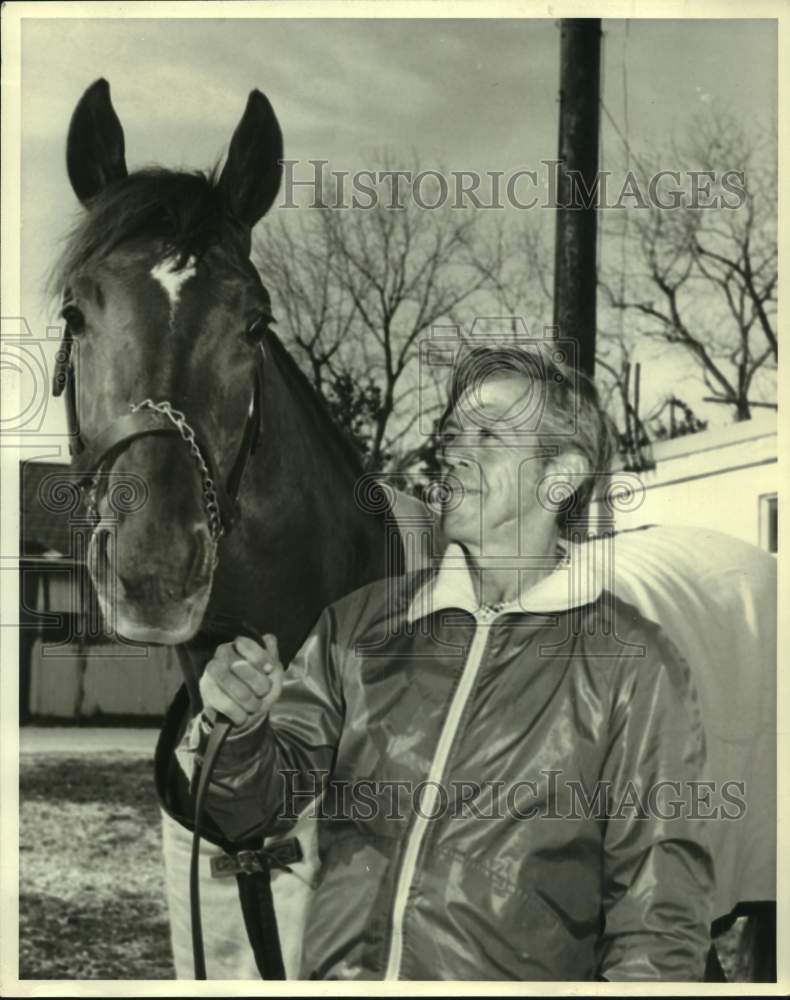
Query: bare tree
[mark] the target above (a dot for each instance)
(515, 257)
(356, 289)
(313, 311)
(707, 275)
(406, 270)
(318, 321)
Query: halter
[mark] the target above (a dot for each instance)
(220, 502)
(150, 417)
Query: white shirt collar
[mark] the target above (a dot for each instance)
(575, 582)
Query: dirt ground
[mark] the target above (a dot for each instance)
(92, 903)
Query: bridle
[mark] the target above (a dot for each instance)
(220, 503)
(150, 417)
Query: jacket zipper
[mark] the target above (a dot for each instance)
(435, 774)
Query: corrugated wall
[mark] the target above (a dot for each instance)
(70, 683)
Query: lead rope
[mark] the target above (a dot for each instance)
(255, 890)
(216, 738)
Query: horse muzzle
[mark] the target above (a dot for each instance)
(146, 598)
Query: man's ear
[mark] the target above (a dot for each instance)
(570, 464)
(563, 475)
(95, 145)
(251, 177)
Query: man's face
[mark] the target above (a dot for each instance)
(489, 449)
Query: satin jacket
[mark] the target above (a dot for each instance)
(502, 793)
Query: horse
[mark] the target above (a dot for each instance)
(252, 507)
(254, 513)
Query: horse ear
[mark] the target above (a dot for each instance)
(253, 171)
(95, 146)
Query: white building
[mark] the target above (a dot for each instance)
(726, 479)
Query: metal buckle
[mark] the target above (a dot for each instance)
(280, 855)
(249, 863)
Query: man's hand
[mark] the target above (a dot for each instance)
(242, 680)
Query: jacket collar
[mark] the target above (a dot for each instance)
(575, 582)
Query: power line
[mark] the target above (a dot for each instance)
(624, 228)
(624, 139)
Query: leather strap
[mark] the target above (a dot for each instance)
(63, 383)
(125, 429)
(255, 889)
(257, 907)
(121, 432)
(144, 423)
(217, 737)
(252, 433)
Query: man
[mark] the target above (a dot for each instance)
(501, 748)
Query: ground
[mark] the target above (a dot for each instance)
(92, 903)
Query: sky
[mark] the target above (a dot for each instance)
(466, 94)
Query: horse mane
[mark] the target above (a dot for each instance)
(314, 406)
(184, 209)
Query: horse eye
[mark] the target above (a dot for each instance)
(75, 321)
(259, 326)
(447, 434)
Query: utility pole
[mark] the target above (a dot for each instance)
(575, 272)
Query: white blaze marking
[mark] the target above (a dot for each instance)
(171, 280)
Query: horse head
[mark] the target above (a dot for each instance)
(161, 361)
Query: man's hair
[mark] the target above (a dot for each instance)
(565, 410)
